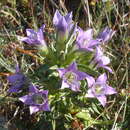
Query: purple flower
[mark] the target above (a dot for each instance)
(71, 77)
(35, 37)
(99, 88)
(85, 40)
(101, 60)
(36, 99)
(63, 24)
(17, 81)
(106, 35)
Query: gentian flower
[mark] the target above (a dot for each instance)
(71, 77)
(36, 99)
(106, 35)
(99, 88)
(101, 60)
(35, 38)
(63, 24)
(85, 40)
(17, 81)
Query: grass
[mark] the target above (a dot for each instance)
(16, 16)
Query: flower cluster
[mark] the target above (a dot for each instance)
(36, 99)
(68, 68)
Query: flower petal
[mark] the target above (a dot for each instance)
(44, 92)
(68, 18)
(27, 99)
(88, 34)
(40, 35)
(14, 89)
(90, 81)
(93, 43)
(56, 18)
(75, 86)
(80, 75)
(30, 41)
(30, 32)
(45, 107)
(104, 60)
(64, 85)
(33, 109)
(72, 67)
(24, 98)
(110, 90)
(90, 94)
(16, 77)
(107, 68)
(102, 99)
(17, 69)
(33, 89)
(98, 53)
(61, 72)
(102, 78)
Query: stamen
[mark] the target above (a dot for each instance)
(98, 89)
(70, 77)
(38, 98)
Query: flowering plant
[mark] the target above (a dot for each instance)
(68, 70)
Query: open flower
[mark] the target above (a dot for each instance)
(99, 88)
(85, 40)
(36, 99)
(101, 60)
(106, 35)
(71, 77)
(35, 37)
(17, 81)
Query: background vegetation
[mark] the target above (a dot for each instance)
(17, 15)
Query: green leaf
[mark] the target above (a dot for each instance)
(84, 115)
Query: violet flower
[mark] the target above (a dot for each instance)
(17, 81)
(36, 99)
(63, 24)
(101, 60)
(106, 35)
(71, 77)
(35, 38)
(85, 40)
(99, 88)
